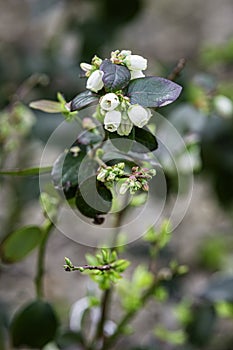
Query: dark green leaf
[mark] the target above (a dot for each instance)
(73, 167)
(153, 91)
(123, 143)
(93, 198)
(70, 192)
(27, 172)
(20, 243)
(83, 99)
(66, 169)
(201, 325)
(145, 141)
(115, 77)
(34, 325)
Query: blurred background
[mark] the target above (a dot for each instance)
(41, 46)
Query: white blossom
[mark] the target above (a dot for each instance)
(112, 120)
(135, 62)
(95, 82)
(125, 126)
(139, 115)
(109, 102)
(135, 74)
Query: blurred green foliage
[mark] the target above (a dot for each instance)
(195, 114)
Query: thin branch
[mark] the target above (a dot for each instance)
(104, 310)
(177, 70)
(81, 268)
(39, 279)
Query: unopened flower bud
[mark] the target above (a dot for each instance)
(139, 115)
(96, 61)
(102, 175)
(124, 187)
(88, 123)
(95, 82)
(86, 66)
(112, 120)
(75, 150)
(152, 172)
(99, 153)
(111, 176)
(125, 126)
(109, 102)
(135, 62)
(125, 53)
(145, 187)
(121, 165)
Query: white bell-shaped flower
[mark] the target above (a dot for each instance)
(135, 62)
(109, 102)
(125, 126)
(112, 120)
(135, 74)
(95, 82)
(139, 115)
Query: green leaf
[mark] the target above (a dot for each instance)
(145, 141)
(115, 77)
(34, 325)
(201, 326)
(47, 106)
(27, 172)
(122, 143)
(82, 100)
(177, 337)
(49, 205)
(89, 138)
(93, 198)
(153, 91)
(20, 243)
(65, 171)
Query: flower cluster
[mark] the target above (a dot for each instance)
(109, 174)
(136, 180)
(115, 109)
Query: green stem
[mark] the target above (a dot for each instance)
(106, 297)
(105, 304)
(39, 279)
